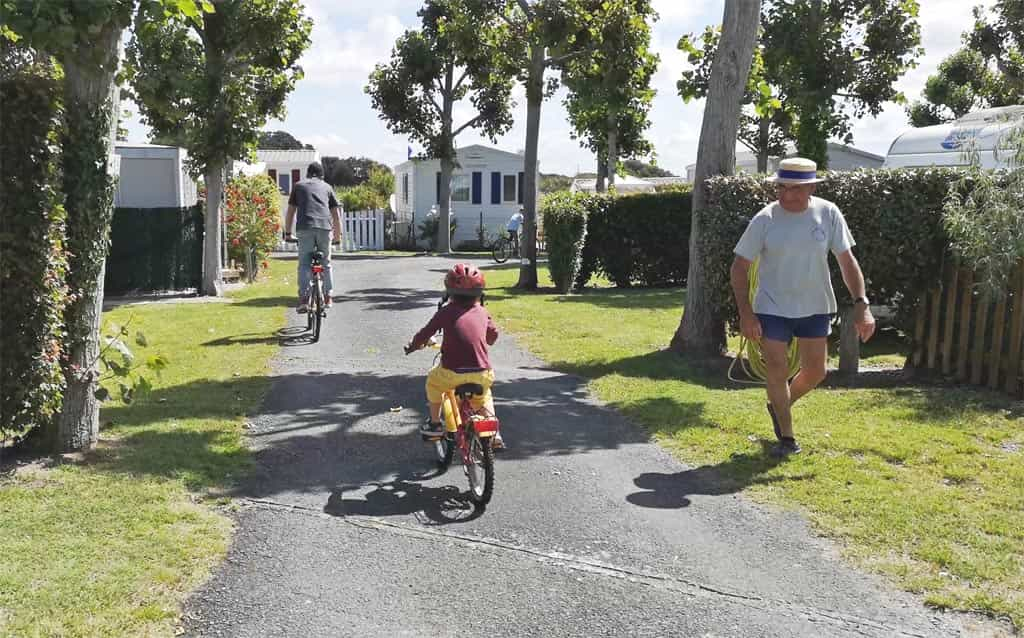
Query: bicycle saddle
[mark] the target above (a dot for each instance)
(469, 389)
(318, 255)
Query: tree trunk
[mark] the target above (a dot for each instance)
(602, 174)
(89, 182)
(444, 235)
(701, 333)
(213, 277)
(849, 342)
(763, 138)
(534, 99)
(613, 149)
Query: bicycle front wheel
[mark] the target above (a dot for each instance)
(480, 470)
(501, 251)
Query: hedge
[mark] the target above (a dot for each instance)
(895, 217)
(641, 239)
(565, 227)
(155, 249)
(32, 258)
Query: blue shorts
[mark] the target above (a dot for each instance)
(784, 329)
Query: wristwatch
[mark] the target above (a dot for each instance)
(863, 300)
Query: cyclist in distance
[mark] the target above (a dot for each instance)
(468, 334)
(318, 214)
(514, 223)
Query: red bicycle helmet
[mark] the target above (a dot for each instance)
(464, 279)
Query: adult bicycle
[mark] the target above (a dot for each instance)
(316, 304)
(505, 247)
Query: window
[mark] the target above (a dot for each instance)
(460, 188)
(405, 188)
(510, 188)
(284, 182)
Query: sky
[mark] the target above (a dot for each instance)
(330, 110)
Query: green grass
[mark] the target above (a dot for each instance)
(922, 483)
(111, 544)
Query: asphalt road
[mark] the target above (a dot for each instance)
(346, 528)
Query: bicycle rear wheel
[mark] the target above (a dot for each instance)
(480, 470)
(501, 251)
(316, 307)
(444, 447)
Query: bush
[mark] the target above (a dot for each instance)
(253, 221)
(428, 229)
(155, 249)
(565, 224)
(32, 258)
(895, 217)
(638, 239)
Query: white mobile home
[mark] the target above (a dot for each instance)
(486, 181)
(286, 167)
(983, 132)
(841, 157)
(153, 176)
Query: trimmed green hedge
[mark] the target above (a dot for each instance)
(155, 249)
(565, 230)
(32, 255)
(641, 239)
(895, 217)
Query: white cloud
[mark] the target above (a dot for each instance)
(345, 57)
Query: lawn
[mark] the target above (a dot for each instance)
(922, 483)
(109, 545)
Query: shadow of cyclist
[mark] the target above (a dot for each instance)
(404, 496)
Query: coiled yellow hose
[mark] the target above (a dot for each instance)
(749, 354)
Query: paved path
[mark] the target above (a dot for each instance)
(346, 529)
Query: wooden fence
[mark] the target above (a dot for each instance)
(968, 335)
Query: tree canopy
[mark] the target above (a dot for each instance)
(638, 168)
(350, 171)
(280, 140)
(835, 60)
(988, 71)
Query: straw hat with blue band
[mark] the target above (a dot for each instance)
(796, 170)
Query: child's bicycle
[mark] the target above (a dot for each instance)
(471, 434)
(317, 300)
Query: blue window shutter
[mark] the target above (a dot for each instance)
(495, 188)
(522, 178)
(478, 187)
(438, 196)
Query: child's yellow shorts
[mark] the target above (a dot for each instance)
(441, 380)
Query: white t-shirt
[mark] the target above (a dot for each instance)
(514, 222)
(793, 275)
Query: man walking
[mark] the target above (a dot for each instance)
(792, 238)
(319, 219)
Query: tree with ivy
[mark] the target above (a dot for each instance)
(835, 60)
(84, 38)
(213, 83)
(767, 124)
(610, 92)
(452, 58)
(701, 333)
(988, 71)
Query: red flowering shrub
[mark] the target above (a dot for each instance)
(253, 221)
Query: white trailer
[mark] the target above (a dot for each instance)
(986, 133)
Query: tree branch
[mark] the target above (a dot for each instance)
(458, 83)
(467, 125)
(559, 59)
(440, 111)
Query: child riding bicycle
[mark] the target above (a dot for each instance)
(468, 333)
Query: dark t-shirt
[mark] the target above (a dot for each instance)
(314, 199)
(468, 330)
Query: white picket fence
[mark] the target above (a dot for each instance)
(360, 230)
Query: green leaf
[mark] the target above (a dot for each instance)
(208, 7)
(101, 394)
(157, 362)
(140, 339)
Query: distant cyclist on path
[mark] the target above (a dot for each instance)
(319, 219)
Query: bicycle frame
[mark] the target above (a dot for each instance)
(456, 419)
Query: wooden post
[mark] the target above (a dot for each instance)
(998, 327)
(934, 328)
(849, 342)
(919, 328)
(947, 337)
(963, 347)
(1016, 334)
(978, 341)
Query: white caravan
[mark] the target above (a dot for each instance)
(985, 132)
